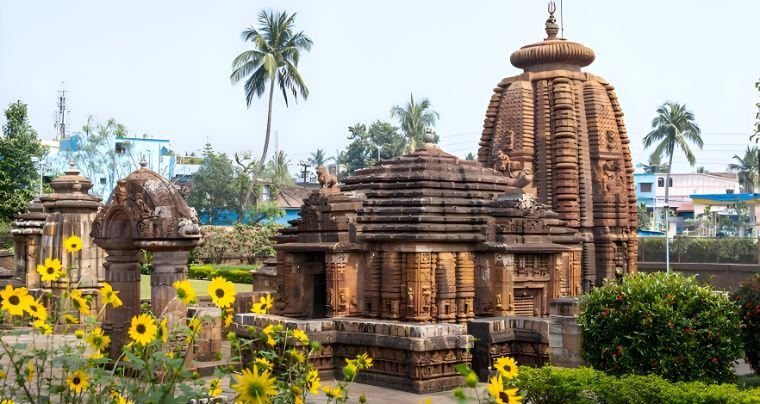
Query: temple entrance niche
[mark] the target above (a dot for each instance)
(144, 212)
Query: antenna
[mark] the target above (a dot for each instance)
(561, 21)
(61, 115)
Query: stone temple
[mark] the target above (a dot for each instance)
(498, 246)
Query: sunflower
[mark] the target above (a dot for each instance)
(222, 292)
(264, 362)
(257, 309)
(96, 355)
(496, 390)
(185, 292)
(143, 329)
(123, 400)
(77, 381)
(42, 326)
(363, 361)
(268, 332)
(79, 302)
(110, 296)
(69, 319)
(37, 310)
(163, 331)
(97, 339)
(349, 371)
(15, 301)
(297, 394)
(7, 402)
(72, 244)
(312, 381)
(266, 302)
(297, 355)
(255, 387)
(215, 387)
(29, 371)
(506, 367)
(50, 270)
(333, 392)
(301, 336)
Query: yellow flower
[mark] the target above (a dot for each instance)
(163, 331)
(363, 361)
(79, 302)
(427, 401)
(506, 367)
(15, 301)
(97, 339)
(266, 302)
(300, 336)
(37, 310)
(496, 390)
(50, 270)
(228, 320)
(3, 373)
(264, 362)
(257, 309)
(255, 387)
(297, 355)
(110, 296)
(333, 392)
(297, 394)
(222, 292)
(29, 371)
(72, 244)
(185, 292)
(42, 326)
(268, 332)
(143, 329)
(123, 400)
(69, 319)
(7, 402)
(215, 387)
(79, 334)
(77, 381)
(96, 355)
(312, 381)
(349, 371)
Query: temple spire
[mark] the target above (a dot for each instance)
(551, 23)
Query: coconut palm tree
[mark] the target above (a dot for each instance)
(415, 118)
(273, 60)
(674, 126)
(319, 158)
(278, 172)
(747, 167)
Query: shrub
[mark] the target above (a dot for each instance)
(584, 385)
(700, 250)
(233, 275)
(747, 297)
(247, 241)
(662, 324)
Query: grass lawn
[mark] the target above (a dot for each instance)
(201, 287)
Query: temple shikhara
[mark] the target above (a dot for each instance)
(498, 246)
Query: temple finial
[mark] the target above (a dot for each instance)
(551, 23)
(143, 162)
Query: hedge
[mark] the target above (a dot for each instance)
(233, 275)
(747, 297)
(729, 250)
(554, 385)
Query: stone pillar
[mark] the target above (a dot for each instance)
(168, 267)
(445, 282)
(465, 280)
(564, 333)
(391, 288)
(27, 235)
(122, 269)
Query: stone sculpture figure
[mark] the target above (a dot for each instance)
(326, 180)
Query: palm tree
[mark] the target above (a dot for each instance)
(319, 158)
(747, 168)
(278, 173)
(273, 59)
(654, 165)
(673, 126)
(414, 119)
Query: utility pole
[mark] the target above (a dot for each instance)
(305, 166)
(60, 115)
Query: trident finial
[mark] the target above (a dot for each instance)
(551, 23)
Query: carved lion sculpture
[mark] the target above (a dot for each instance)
(325, 179)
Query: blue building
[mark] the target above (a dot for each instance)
(645, 189)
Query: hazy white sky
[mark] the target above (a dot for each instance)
(162, 67)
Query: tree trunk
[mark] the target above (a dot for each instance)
(263, 158)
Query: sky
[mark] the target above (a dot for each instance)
(162, 67)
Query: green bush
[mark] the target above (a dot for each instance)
(6, 239)
(584, 385)
(661, 324)
(233, 275)
(747, 297)
(247, 241)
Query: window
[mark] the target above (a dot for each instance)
(660, 182)
(670, 183)
(645, 187)
(120, 148)
(729, 191)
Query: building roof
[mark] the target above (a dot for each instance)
(721, 199)
(292, 196)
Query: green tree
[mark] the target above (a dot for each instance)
(96, 156)
(278, 173)
(319, 158)
(747, 169)
(18, 146)
(654, 165)
(381, 138)
(643, 214)
(274, 59)
(469, 156)
(415, 118)
(214, 189)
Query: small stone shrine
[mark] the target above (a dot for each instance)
(39, 234)
(145, 212)
(410, 257)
